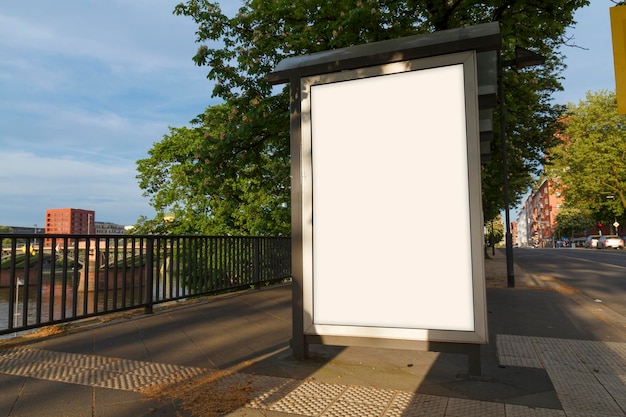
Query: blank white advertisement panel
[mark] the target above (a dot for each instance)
(387, 181)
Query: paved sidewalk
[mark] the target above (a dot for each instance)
(550, 354)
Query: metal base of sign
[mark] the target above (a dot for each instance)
(472, 350)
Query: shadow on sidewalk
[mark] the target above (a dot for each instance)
(245, 337)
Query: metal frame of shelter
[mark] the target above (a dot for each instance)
(439, 91)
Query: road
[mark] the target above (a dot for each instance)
(599, 274)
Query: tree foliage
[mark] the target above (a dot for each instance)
(242, 172)
(591, 158)
(207, 184)
(495, 230)
(573, 221)
(6, 230)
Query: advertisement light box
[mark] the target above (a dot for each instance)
(392, 221)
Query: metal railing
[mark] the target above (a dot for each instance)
(50, 279)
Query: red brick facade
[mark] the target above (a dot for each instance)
(69, 220)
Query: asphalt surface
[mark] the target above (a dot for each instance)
(597, 273)
(552, 352)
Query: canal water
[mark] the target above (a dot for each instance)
(54, 306)
(57, 304)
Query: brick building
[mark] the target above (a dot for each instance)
(536, 221)
(71, 221)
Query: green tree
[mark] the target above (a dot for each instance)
(573, 221)
(591, 157)
(6, 230)
(495, 230)
(253, 146)
(207, 186)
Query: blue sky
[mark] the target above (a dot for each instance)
(87, 87)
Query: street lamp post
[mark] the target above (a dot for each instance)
(510, 277)
(523, 58)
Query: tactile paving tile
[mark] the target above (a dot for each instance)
(402, 399)
(517, 351)
(586, 385)
(616, 386)
(606, 369)
(130, 382)
(578, 387)
(509, 345)
(557, 354)
(91, 377)
(367, 395)
(551, 345)
(163, 370)
(619, 349)
(565, 378)
(7, 363)
(592, 352)
(89, 361)
(520, 361)
(35, 355)
(54, 371)
(458, 407)
(119, 365)
(589, 376)
(360, 401)
(514, 410)
(91, 370)
(398, 405)
(417, 405)
(621, 401)
(594, 406)
(319, 389)
(562, 363)
(351, 409)
(606, 355)
(306, 406)
(7, 352)
(310, 398)
(24, 368)
(269, 390)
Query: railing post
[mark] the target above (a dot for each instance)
(149, 275)
(13, 279)
(256, 262)
(252, 261)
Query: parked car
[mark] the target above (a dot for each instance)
(592, 241)
(610, 241)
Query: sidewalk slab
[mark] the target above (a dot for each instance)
(537, 339)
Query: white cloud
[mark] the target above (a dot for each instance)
(87, 87)
(38, 183)
(20, 32)
(94, 135)
(119, 34)
(31, 173)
